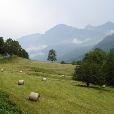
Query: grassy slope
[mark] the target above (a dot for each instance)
(58, 95)
(7, 106)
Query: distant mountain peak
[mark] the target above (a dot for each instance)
(61, 27)
(106, 23)
(109, 22)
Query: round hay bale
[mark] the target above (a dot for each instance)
(44, 79)
(21, 82)
(34, 96)
(2, 69)
(21, 71)
(103, 86)
(62, 76)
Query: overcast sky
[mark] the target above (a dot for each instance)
(23, 17)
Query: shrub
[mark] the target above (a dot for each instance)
(62, 62)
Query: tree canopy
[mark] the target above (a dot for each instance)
(90, 69)
(108, 69)
(12, 47)
(2, 45)
(52, 55)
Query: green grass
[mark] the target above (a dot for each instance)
(59, 95)
(7, 106)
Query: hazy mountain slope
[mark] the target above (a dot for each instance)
(75, 54)
(29, 40)
(65, 40)
(107, 43)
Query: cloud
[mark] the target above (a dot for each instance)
(21, 17)
(110, 33)
(37, 54)
(76, 41)
(38, 48)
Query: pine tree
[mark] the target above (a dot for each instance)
(52, 55)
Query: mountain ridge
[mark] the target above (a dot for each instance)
(64, 39)
(107, 43)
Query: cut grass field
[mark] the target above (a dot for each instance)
(59, 95)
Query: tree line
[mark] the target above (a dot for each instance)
(12, 47)
(97, 67)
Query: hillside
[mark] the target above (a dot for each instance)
(59, 95)
(107, 43)
(66, 40)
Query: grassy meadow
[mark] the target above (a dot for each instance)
(59, 95)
